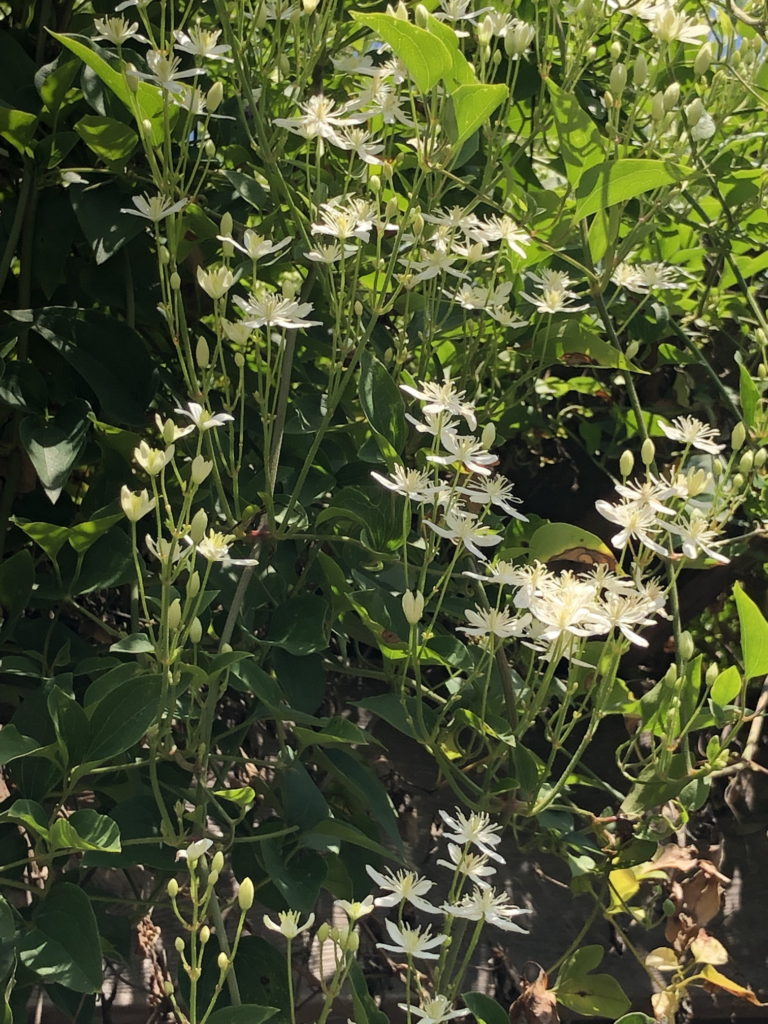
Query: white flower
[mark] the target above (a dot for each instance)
(433, 262)
(475, 829)
(566, 607)
(638, 521)
(495, 490)
(329, 254)
(555, 293)
(135, 505)
(345, 217)
(415, 943)
(697, 536)
(492, 622)
(502, 229)
(161, 549)
(690, 431)
(403, 887)
(442, 398)
(624, 611)
(152, 460)
(355, 910)
(117, 30)
(255, 245)
(485, 904)
(272, 310)
(464, 449)
(288, 923)
(154, 208)
(203, 419)
(651, 493)
(318, 119)
(473, 866)
(195, 850)
(201, 42)
(361, 143)
(667, 25)
(463, 528)
(164, 71)
(409, 482)
(434, 1011)
(215, 282)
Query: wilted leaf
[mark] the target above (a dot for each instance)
(706, 949)
(536, 1004)
(714, 977)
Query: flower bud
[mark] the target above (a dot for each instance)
(200, 469)
(213, 877)
(239, 360)
(615, 49)
(640, 71)
(703, 60)
(762, 370)
(421, 16)
(209, 148)
(760, 456)
(205, 934)
(195, 631)
(198, 526)
(685, 645)
(131, 77)
(671, 96)
(738, 436)
(193, 584)
(174, 614)
(163, 255)
(488, 435)
(309, 6)
(694, 112)
(202, 353)
(353, 942)
(323, 932)
(413, 606)
(746, 463)
(618, 79)
(175, 281)
(591, 52)
(179, 944)
(222, 961)
(737, 481)
(226, 649)
(717, 467)
(146, 127)
(172, 889)
(217, 862)
(713, 671)
(214, 97)
(626, 463)
(647, 451)
(245, 894)
(657, 106)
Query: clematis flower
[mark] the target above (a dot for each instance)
(690, 431)
(475, 829)
(203, 419)
(485, 904)
(493, 622)
(403, 887)
(271, 310)
(288, 923)
(415, 943)
(463, 528)
(203, 43)
(135, 505)
(154, 208)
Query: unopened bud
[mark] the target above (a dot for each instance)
(591, 52)
(737, 481)
(760, 456)
(626, 463)
(198, 526)
(172, 889)
(618, 79)
(353, 942)
(713, 671)
(413, 606)
(762, 371)
(195, 631)
(671, 96)
(703, 60)
(746, 462)
(488, 435)
(615, 49)
(657, 106)
(647, 451)
(193, 584)
(608, 99)
(168, 987)
(738, 436)
(694, 112)
(146, 127)
(358, 308)
(175, 281)
(131, 77)
(205, 934)
(222, 961)
(179, 944)
(226, 224)
(213, 877)
(390, 210)
(214, 97)
(717, 467)
(323, 932)
(239, 360)
(202, 353)
(685, 645)
(209, 148)
(163, 255)
(200, 469)
(174, 614)
(640, 71)
(245, 894)
(217, 862)
(421, 15)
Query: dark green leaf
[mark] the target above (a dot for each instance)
(85, 830)
(18, 127)
(30, 814)
(17, 577)
(595, 995)
(484, 1009)
(13, 744)
(246, 1013)
(54, 446)
(98, 212)
(122, 718)
(300, 626)
(382, 402)
(136, 643)
(63, 945)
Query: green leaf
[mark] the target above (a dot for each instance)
(246, 1013)
(112, 140)
(17, 577)
(342, 831)
(366, 1010)
(563, 542)
(754, 634)
(47, 536)
(53, 81)
(136, 643)
(584, 960)
(63, 946)
(121, 719)
(636, 1018)
(472, 106)
(748, 395)
(382, 402)
(13, 744)
(17, 127)
(726, 686)
(98, 212)
(149, 99)
(85, 830)
(595, 995)
(84, 535)
(581, 144)
(616, 181)
(30, 814)
(462, 72)
(484, 1009)
(425, 57)
(55, 446)
(300, 626)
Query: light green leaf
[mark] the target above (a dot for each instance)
(595, 995)
(584, 960)
(581, 144)
(148, 99)
(754, 634)
(84, 535)
(17, 127)
(85, 830)
(472, 106)
(726, 686)
(47, 536)
(30, 814)
(243, 796)
(112, 140)
(426, 58)
(616, 181)
(462, 72)
(748, 395)
(63, 946)
(563, 542)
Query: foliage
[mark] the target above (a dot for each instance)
(414, 356)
